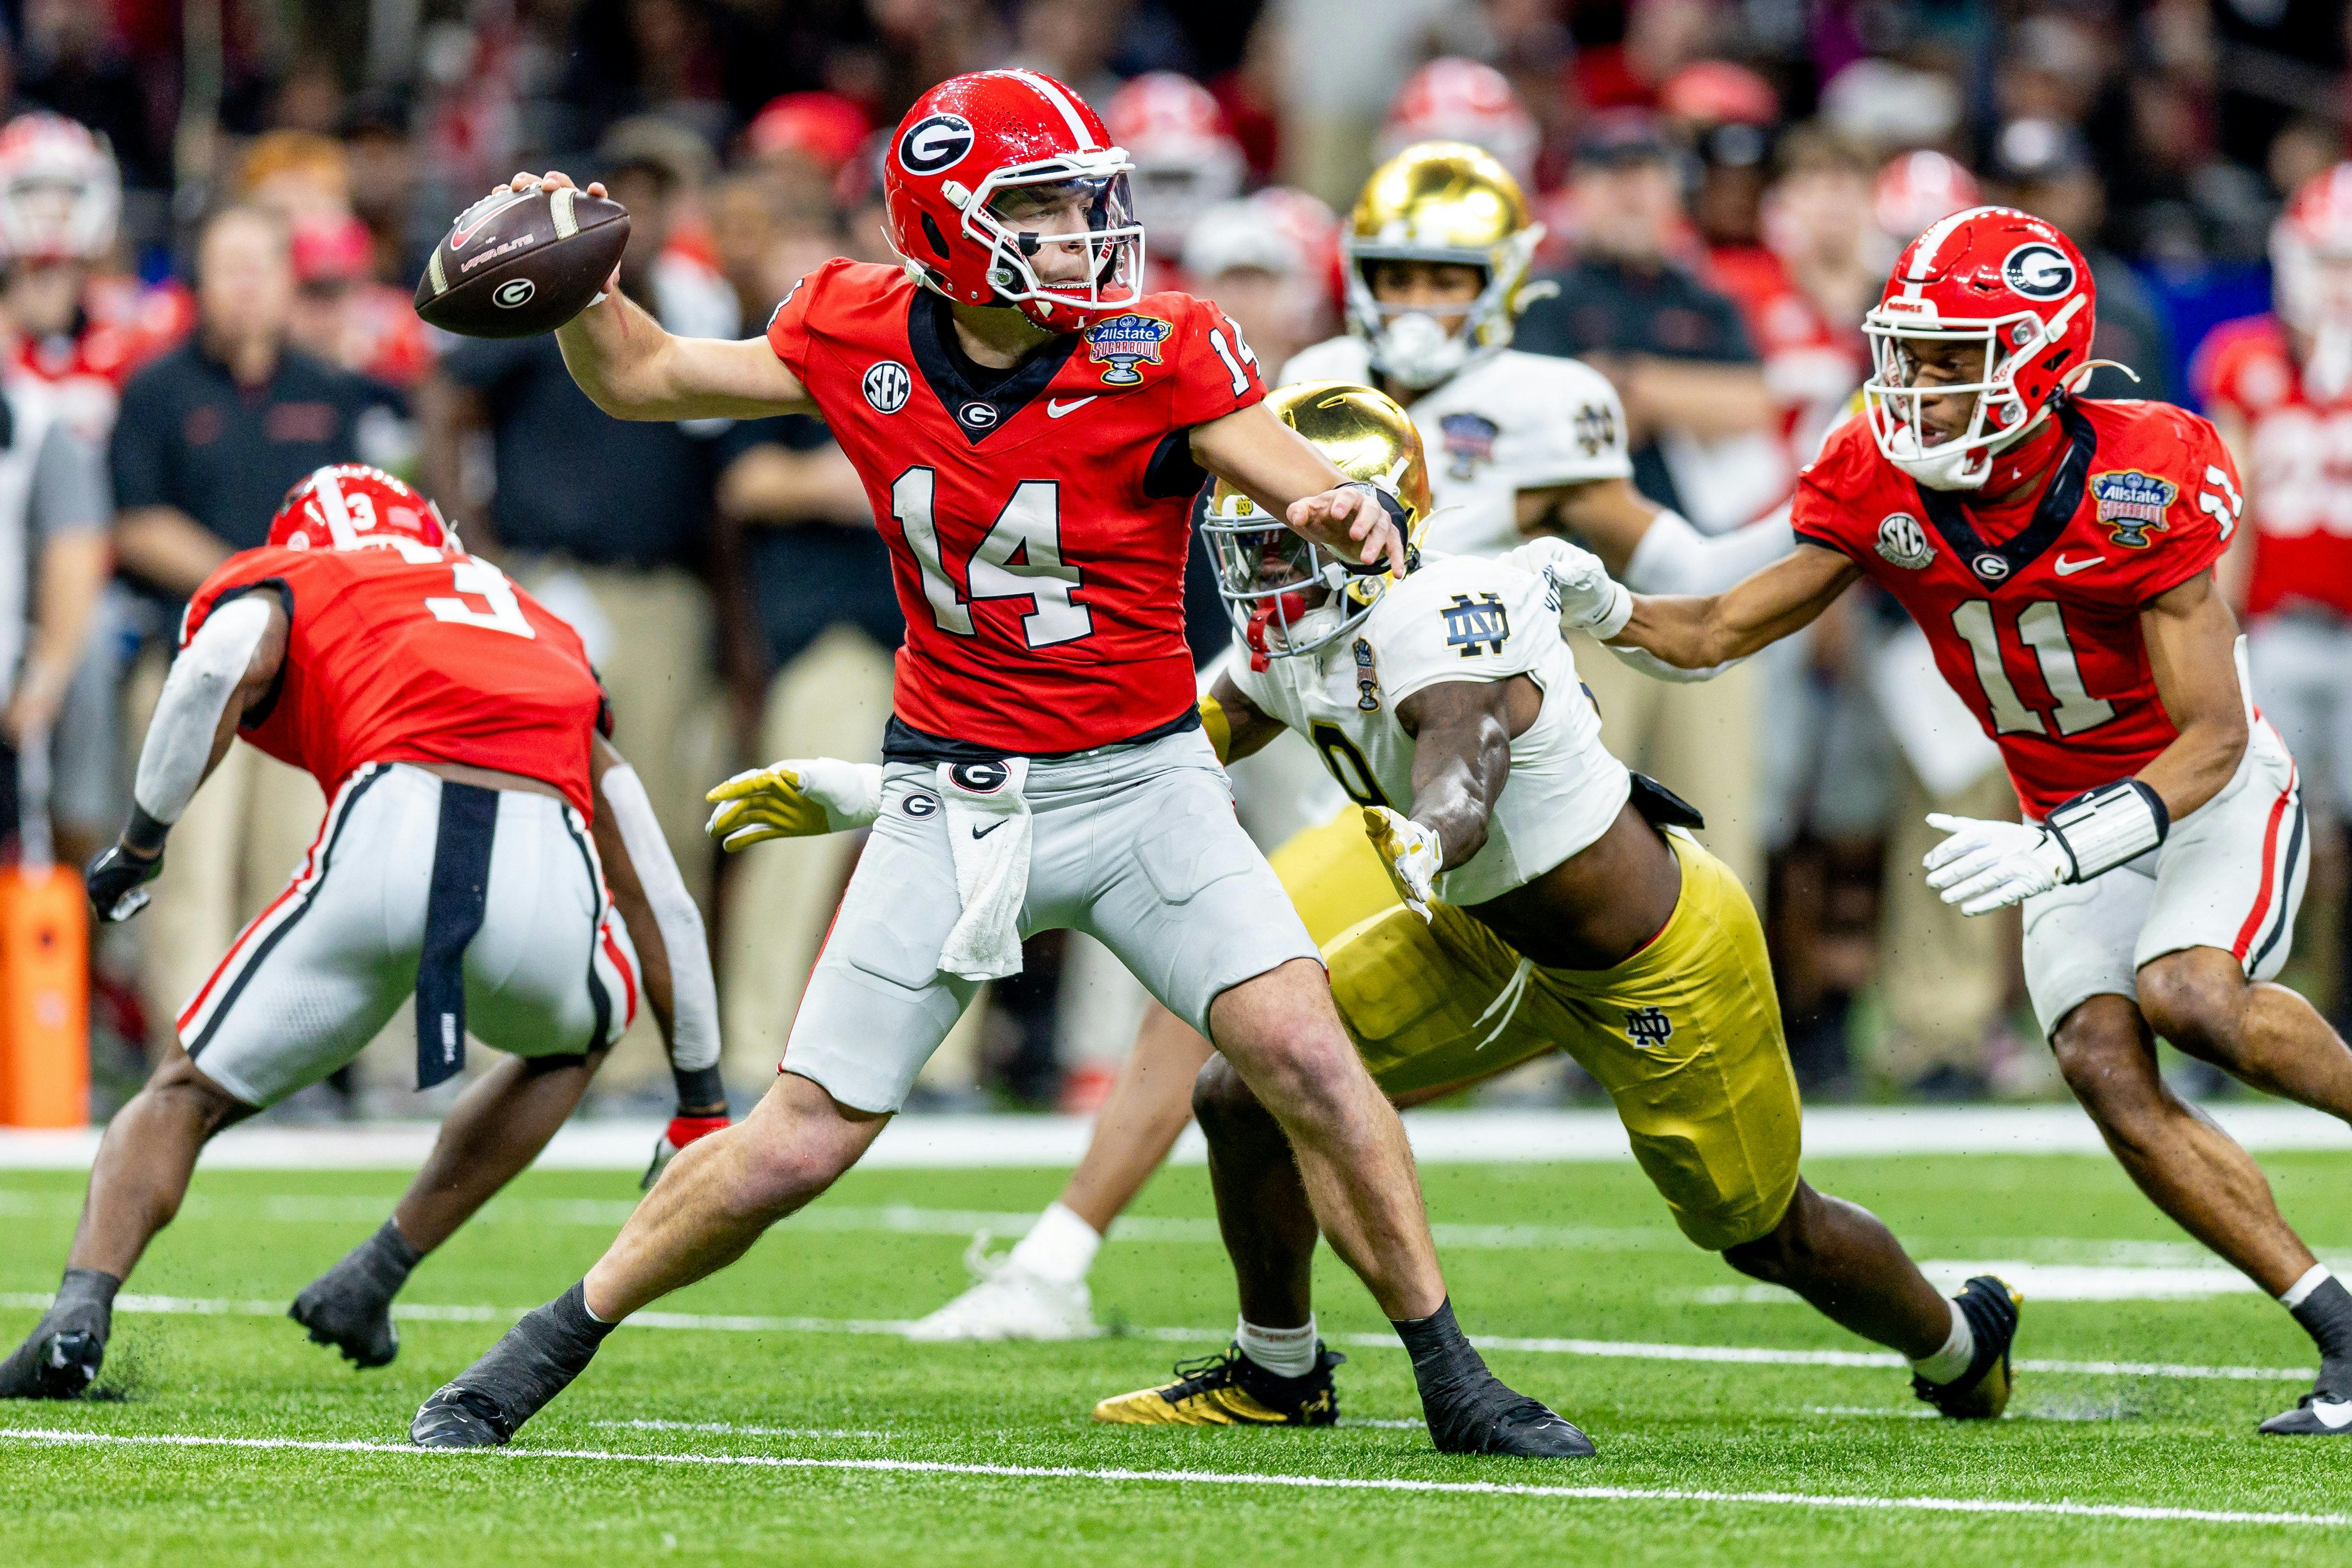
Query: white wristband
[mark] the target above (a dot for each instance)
(1620, 610)
(2102, 828)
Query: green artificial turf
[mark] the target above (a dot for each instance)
(1606, 1265)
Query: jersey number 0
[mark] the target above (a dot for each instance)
(1021, 557)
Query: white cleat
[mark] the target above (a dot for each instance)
(1009, 1301)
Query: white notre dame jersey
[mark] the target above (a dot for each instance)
(1459, 618)
(1511, 422)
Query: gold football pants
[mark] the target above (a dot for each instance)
(1685, 1035)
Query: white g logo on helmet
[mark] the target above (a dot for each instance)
(2038, 270)
(935, 142)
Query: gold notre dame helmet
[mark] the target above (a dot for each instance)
(1440, 201)
(1278, 587)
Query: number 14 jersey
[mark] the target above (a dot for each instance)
(402, 652)
(2034, 619)
(1037, 526)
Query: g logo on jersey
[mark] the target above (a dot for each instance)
(978, 415)
(1990, 567)
(920, 804)
(1903, 542)
(514, 291)
(886, 384)
(2038, 270)
(980, 777)
(935, 142)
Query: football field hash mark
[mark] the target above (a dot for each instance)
(1606, 1349)
(2134, 1512)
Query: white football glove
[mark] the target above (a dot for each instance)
(1984, 866)
(796, 798)
(1410, 851)
(1589, 598)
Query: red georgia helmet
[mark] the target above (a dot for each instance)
(2316, 227)
(1452, 100)
(60, 192)
(979, 159)
(350, 505)
(1915, 189)
(1186, 158)
(1993, 276)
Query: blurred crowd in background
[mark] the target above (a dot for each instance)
(213, 213)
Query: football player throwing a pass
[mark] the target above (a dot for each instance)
(1032, 429)
(2058, 552)
(453, 724)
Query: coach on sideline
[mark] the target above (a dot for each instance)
(210, 438)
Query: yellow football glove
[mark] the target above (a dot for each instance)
(1409, 852)
(797, 799)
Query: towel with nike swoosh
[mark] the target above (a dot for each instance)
(989, 831)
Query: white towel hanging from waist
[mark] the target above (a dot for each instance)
(989, 831)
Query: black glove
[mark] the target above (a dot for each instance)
(117, 879)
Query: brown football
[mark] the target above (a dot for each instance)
(519, 263)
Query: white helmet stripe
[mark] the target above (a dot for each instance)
(1054, 95)
(1923, 254)
(338, 516)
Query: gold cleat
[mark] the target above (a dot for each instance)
(1228, 1389)
(1982, 1392)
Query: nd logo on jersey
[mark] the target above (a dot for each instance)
(2131, 502)
(1648, 1028)
(1477, 625)
(1124, 342)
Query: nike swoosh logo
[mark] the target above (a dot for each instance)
(458, 241)
(983, 833)
(2066, 568)
(2334, 1414)
(1056, 408)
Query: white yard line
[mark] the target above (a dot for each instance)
(1607, 1349)
(1439, 1137)
(2135, 1513)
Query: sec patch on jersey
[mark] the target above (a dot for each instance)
(519, 263)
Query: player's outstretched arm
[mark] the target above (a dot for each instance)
(1695, 632)
(2192, 655)
(633, 369)
(1264, 459)
(226, 671)
(1462, 755)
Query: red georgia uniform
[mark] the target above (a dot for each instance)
(1037, 531)
(2300, 460)
(412, 655)
(123, 325)
(2032, 608)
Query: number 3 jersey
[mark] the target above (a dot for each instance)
(2032, 608)
(1459, 618)
(1037, 524)
(408, 654)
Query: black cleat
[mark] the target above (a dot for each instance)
(344, 1310)
(1982, 1392)
(54, 1363)
(1229, 1389)
(2315, 1415)
(457, 1418)
(531, 1363)
(1495, 1420)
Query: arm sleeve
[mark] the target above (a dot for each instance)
(70, 494)
(203, 679)
(1675, 558)
(694, 995)
(139, 458)
(1216, 369)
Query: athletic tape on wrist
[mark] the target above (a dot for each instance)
(2102, 829)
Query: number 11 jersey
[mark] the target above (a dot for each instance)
(1037, 526)
(2036, 625)
(402, 652)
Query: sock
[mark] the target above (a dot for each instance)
(1060, 1247)
(1286, 1353)
(389, 1259)
(1958, 1350)
(2323, 1307)
(90, 1286)
(1443, 1359)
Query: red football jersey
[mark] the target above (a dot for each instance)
(2299, 461)
(123, 325)
(2032, 608)
(407, 653)
(1037, 527)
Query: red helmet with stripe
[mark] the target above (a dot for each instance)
(1915, 189)
(350, 505)
(2002, 281)
(2311, 253)
(1003, 188)
(1455, 100)
(1186, 160)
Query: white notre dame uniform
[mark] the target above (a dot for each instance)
(1457, 619)
(1507, 423)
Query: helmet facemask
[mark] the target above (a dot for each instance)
(1003, 215)
(1998, 416)
(1409, 344)
(1284, 594)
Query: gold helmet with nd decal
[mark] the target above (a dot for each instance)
(1439, 204)
(1286, 595)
